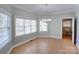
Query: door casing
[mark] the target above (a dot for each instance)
(72, 27)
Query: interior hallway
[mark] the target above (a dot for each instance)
(46, 45)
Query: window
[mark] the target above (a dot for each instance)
(43, 26)
(4, 28)
(27, 27)
(19, 26)
(33, 26)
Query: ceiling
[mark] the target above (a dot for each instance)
(40, 9)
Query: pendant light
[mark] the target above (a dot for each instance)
(46, 14)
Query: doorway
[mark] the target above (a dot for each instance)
(67, 29)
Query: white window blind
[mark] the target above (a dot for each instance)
(19, 26)
(33, 26)
(4, 28)
(43, 26)
(25, 26)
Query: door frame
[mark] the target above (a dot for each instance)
(67, 19)
(72, 27)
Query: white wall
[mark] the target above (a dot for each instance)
(55, 26)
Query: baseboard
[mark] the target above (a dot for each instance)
(56, 37)
(20, 44)
(10, 50)
(51, 37)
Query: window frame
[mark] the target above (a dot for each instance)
(16, 27)
(26, 26)
(33, 26)
(43, 26)
(7, 28)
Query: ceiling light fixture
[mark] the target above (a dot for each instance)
(46, 14)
